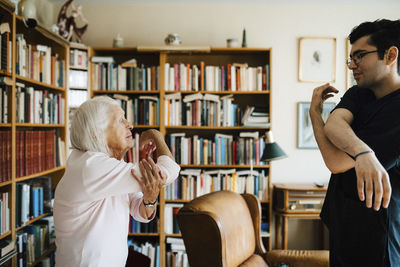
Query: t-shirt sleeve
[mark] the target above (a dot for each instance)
(349, 101)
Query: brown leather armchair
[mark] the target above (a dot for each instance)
(223, 229)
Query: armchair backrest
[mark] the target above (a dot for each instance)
(221, 229)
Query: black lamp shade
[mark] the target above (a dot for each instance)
(272, 151)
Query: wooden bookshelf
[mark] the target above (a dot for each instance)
(159, 56)
(37, 36)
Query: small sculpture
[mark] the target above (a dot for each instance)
(173, 39)
(244, 42)
(67, 27)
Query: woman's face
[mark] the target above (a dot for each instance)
(118, 134)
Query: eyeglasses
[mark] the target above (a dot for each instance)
(358, 57)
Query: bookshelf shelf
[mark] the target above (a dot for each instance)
(185, 201)
(41, 84)
(173, 235)
(49, 250)
(5, 183)
(77, 68)
(200, 166)
(41, 125)
(5, 235)
(219, 128)
(126, 92)
(32, 221)
(5, 73)
(144, 234)
(222, 93)
(46, 172)
(78, 88)
(3, 125)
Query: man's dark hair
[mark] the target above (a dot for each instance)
(382, 33)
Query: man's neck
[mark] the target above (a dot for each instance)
(386, 87)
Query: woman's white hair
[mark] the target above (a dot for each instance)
(89, 124)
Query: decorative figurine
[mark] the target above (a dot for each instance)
(173, 39)
(244, 43)
(67, 25)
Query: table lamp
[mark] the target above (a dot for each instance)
(272, 150)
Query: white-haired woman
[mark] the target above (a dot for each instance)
(99, 190)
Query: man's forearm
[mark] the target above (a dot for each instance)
(343, 137)
(335, 159)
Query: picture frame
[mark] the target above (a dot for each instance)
(350, 82)
(317, 59)
(305, 133)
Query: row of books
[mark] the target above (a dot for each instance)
(33, 198)
(78, 58)
(193, 183)
(142, 110)
(232, 77)
(108, 76)
(5, 47)
(139, 227)
(5, 156)
(170, 221)
(33, 240)
(77, 97)
(201, 110)
(151, 250)
(39, 62)
(176, 252)
(223, 150)
(255, 116)
(39, 106)
(3, 103)
(37, 151)
(4, 213)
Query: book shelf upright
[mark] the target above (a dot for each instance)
(43, 58)
(189, 57)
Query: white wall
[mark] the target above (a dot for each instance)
(268, 25)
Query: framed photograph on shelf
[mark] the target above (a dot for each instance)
(350, 82)
(317, 59)
(305, 133)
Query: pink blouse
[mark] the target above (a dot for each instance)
(92, 204)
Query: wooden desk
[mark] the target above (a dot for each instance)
(298, 201)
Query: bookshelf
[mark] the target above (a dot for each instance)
(78, 80)
(154, 63)
(35, 68)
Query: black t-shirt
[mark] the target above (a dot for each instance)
(361, 236)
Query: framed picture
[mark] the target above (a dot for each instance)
(317, 59)
(305, 133)
(350, 82)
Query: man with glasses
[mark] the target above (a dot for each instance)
(360, 144)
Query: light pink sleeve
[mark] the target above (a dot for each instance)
(104, 176)
(170, 169)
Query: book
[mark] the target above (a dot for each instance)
(6, 246)
(132, 63)
(99, 59)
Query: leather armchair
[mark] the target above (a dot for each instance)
(223, 229)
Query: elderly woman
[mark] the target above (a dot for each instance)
(99, 190)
